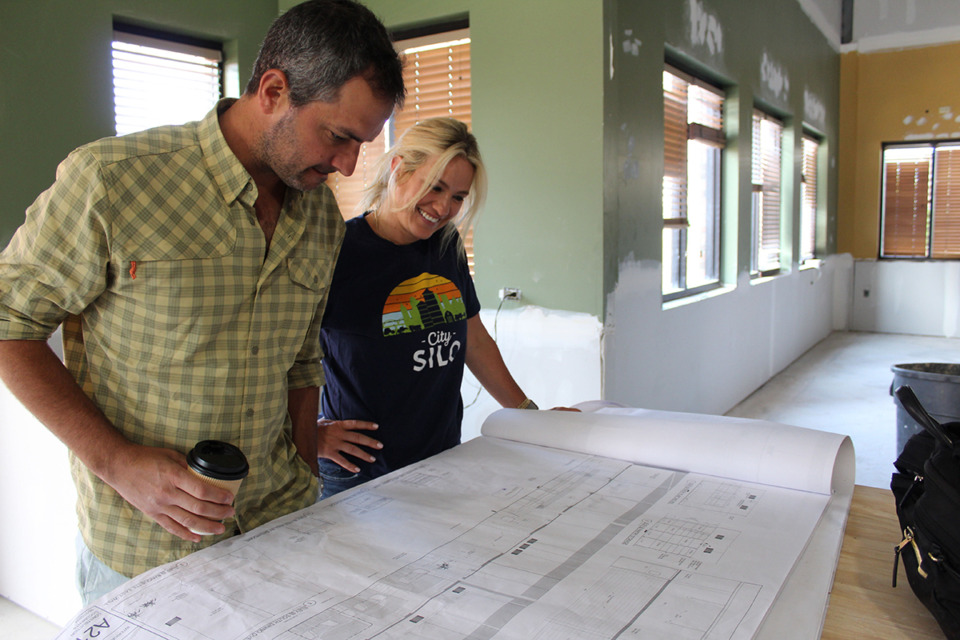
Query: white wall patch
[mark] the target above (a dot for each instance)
(813, 109)
(774, 77)
(705, 29)
(631, 45)
(928, 127)
(610, 43)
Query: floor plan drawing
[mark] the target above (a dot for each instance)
(494, 539)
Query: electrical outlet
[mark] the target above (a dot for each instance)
(509, 293)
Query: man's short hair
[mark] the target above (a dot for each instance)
(320, 44)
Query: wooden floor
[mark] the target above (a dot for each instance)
(863, 604)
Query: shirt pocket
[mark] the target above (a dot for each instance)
(309, 279)
(309, 273)
(178, 309)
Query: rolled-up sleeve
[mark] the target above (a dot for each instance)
(56, 262)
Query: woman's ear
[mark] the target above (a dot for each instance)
(398, 175)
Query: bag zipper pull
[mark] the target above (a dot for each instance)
(908, 539)
(896, 562)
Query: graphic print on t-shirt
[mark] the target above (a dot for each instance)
(423, 303)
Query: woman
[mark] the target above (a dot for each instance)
(402, 317)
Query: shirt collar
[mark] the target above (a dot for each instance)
(230, 175)
(224, 167)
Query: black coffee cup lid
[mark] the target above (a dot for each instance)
(218, 459)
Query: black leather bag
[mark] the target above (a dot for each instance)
(926, 487)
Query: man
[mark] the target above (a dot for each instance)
(189, 267)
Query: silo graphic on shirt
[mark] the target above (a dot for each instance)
(422, 303)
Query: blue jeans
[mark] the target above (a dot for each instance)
(94, 578)
(336, 479)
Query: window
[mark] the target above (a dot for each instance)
(437, 80)
(693, 145)
(921, 201)
(159, 81)
(808, 198)
(437, 77)
(766, 163)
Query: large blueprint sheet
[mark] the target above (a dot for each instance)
(500, 538)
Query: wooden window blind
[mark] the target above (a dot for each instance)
(437, 78)
(691, 111)
(674, 151)
(945, 241)
(921, 201)
(808, 198)
(693, 140)
(157, 81)
(766, 172)
(906, 200)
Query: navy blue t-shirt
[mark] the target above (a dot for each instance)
(394, 338)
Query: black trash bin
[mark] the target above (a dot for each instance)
(937, 386)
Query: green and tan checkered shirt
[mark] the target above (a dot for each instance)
(147, 249)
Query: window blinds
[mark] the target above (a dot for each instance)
(693, 140)
(946, 203)
(437, 78)
(674, 151)
(808, 198)
(158, 82)
(906, 201)
(692, 112)
(767, 140)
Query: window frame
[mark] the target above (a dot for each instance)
(178, 46)
(810, 194)
(675, 198)
(766, 179)
(941, 205)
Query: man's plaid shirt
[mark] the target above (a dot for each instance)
(176, 320)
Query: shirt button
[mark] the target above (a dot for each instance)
(255, 350)
(249, 413)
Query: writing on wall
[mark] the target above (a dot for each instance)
(814, 110)
(705, 29)
(774, 77)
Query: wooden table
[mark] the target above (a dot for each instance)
(863, 604)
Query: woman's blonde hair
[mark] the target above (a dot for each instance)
(442, 139)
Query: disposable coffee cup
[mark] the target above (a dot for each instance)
(218, 463)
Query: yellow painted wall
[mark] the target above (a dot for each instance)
(889, 96)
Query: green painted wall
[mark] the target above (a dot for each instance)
(766, 54)
(537, 92)
(56, 72)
